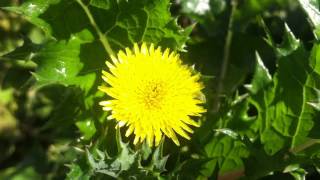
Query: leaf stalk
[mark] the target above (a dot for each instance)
(101, 35)
(226, 57)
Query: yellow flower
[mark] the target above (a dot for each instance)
(152, 93)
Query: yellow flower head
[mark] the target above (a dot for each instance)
(152, 93)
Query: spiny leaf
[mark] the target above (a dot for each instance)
(284, 115)
(261, 77)
(158, 162)
(126, 163)
(311, 7)
(289, 44)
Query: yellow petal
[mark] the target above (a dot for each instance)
(181, 132)
(136, 49)
(190, 121)
(144, 49)
(129, 131)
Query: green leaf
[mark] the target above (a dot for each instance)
(87, 128)
(59, 62)
(296, 171)
(25, 52)
(284, 116)
(113, 166)
(126, 163)
(129, 21)
(190, 168)
(261, 77)
(103, 4)
(289, 44)
(126, 157)
(260, 164)
(146, 151)
(226, 153)
(58, 19)
(315, 103)
(311, 7)
(138, 21)
(228, 132)
(315, 65)
(66, 104)
(295, 86)
(31, 10)
(77, 173)
(158, 161)
(222, 137)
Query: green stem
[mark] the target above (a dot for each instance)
(102, 37)
(226, 56)
(305, 145)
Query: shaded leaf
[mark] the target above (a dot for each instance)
(311, 7)
(31, 10)
(226, 153)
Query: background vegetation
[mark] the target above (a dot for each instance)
(260, 61)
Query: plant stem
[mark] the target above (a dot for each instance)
(305, 145)
(101, 35)
(226, 56)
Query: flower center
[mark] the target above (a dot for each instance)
(153, 95)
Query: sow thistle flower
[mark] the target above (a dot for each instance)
(152, 93)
